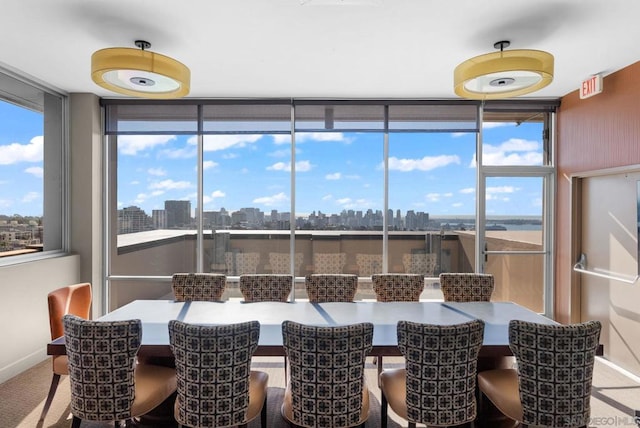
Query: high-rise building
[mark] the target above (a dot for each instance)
(159, 219)
(132, 219)
(178, 214)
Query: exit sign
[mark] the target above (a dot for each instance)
(591, 86)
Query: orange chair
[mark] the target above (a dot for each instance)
(75, 300)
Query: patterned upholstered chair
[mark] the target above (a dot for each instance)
(438, 386)
(106, 384)
(420, 263)
(216, 386)
(72, 299)
(240, 263)
(198, 286)
(280, 263)
(326, 385)
(398, 287)
(266, 288)
(332, 263)
(368, 264)
(466, 287)
(552, 384)
(331, 288)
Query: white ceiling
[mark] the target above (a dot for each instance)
(318, 48)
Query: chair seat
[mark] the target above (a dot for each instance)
(393, 383)
(287, 405)
(501, 387)
(153, 385)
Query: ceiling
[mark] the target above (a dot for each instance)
(318, 48)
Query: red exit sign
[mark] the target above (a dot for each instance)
(591, 86)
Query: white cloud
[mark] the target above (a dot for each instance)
(457, 204)
(334, 176)
(134, 182)
(214, 195)
(183, 153)
(467, 190)
(159, 172)
(492, 125)
(157, 192)
(284, 153)
(427, 163)
(515, 151)
(132, 144)
(214, 143)
(170, 185)
(501, 189)
(327, 197)
(301, 166)
(16, 152)
(209, 164)
(229, 156)
(5, 203)
(343, 201)
(282, 139)
(36, 171)
(301, 137)
(436, 197)
(30, 197)
(272, 200)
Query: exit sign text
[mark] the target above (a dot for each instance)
(591, 86)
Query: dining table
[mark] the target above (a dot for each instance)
(156, 314)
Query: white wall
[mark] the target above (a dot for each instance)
(23, 309)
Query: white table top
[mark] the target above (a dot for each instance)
(155, 315)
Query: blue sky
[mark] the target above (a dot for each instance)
(430, 172)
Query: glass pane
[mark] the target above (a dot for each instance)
(339, 196)
(519, 278)
(514, 207)
(156, 199)
(431, 198)
(513, 139)
(247, 204)
(21, 180)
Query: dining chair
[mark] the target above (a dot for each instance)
(266, 287)
(326, 387)
(105, 381)
(420, 263)
(216, 386)
(368, 264)
(551, 386)
(73, 299)
(331, 287)
(198, 286)
(397, 287)
(437, 387)
(280, 263)
(329, 263)
(238, 263)
(466, 287)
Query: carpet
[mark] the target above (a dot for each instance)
(274, 419)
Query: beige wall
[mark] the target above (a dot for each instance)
(23, 309)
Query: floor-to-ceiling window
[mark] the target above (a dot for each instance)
(310, 186)
(32, 208)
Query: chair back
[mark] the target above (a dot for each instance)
(72, 299)
(213, 364)
(266, 288)
(198, 286)
(329, 263)
(466, 287)
(442, 363)
(420, 263)
(238, 263)
(280, 263)
(555, 371)
(331, 288)
(397, 287)
(102, 357)
(326, 372)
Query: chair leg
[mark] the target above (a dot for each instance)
(263, 414)
(52, 391)
(383, 410)
(412, 425)
(76, 422)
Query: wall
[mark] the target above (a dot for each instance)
(597, 133)
(24, 312)
(598, 158)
